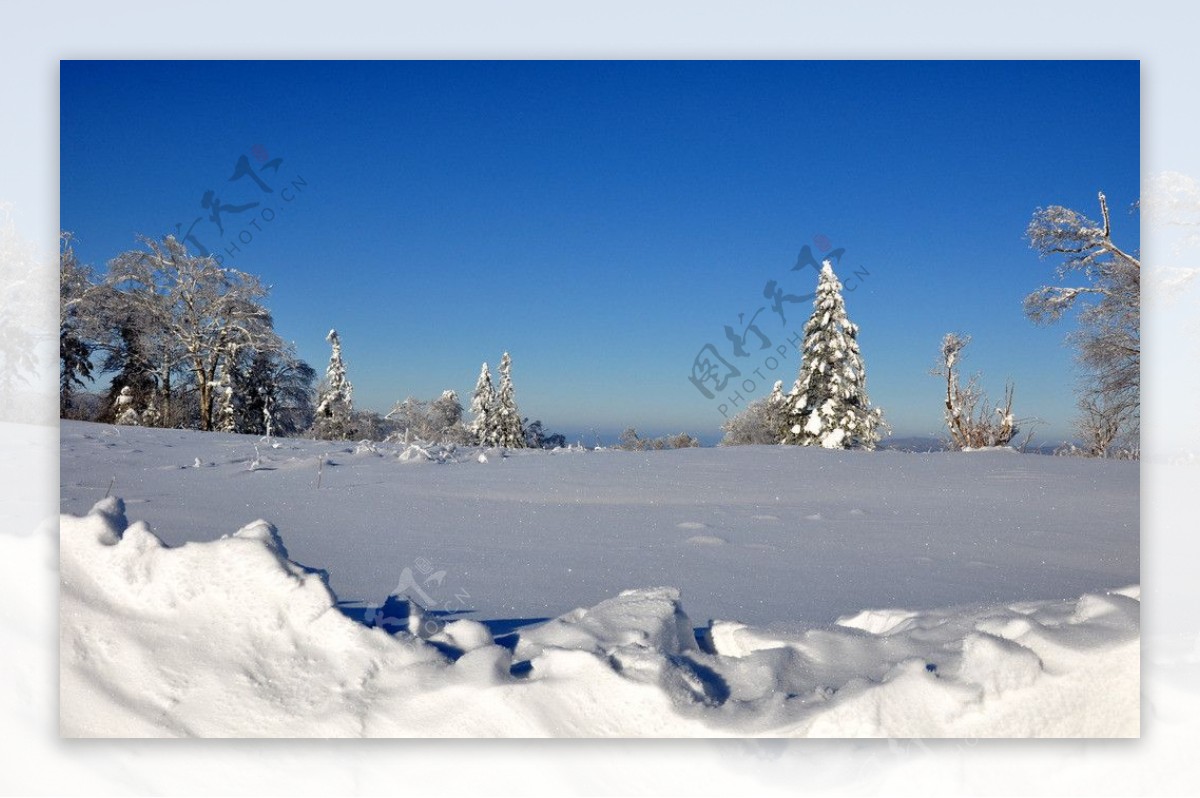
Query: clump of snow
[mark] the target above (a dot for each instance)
(414, 452)
(997, 664)
(877, 622)
(464, 634)
(366, 447)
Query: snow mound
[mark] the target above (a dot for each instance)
(648, 619)
(878, 622)
(232, 638)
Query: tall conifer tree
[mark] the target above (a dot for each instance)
(828, 404)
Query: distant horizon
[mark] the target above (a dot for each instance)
(609, 223)
(609, 437)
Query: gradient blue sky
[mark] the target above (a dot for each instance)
(603, 221)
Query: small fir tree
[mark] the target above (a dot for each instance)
(483, 401)
(335, 408)
(508, 419)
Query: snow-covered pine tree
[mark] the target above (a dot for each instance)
(509, 431)
(828, 404)
(335, 407)
(483, 402)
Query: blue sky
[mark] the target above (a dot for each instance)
(604, 221)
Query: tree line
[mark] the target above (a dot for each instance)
(191, 344)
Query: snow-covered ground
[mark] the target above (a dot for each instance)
(834, 593)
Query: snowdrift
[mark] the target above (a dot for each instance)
(231, 638)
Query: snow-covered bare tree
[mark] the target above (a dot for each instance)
(973, 422)
(188, 310)
(1108, 299)
(509, 431)
(411, 421)
(483, 403)
(335, 406)
(439, 421)
(446, 417)
(1098, 427)
(828, 404)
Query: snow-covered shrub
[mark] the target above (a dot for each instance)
(972, 421)
(630, 440)
(762, 422)
(439, 421)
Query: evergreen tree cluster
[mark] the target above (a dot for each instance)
(495, 419)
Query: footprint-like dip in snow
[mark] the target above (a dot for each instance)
(692, 525)
(707, 540)
(765, 517)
